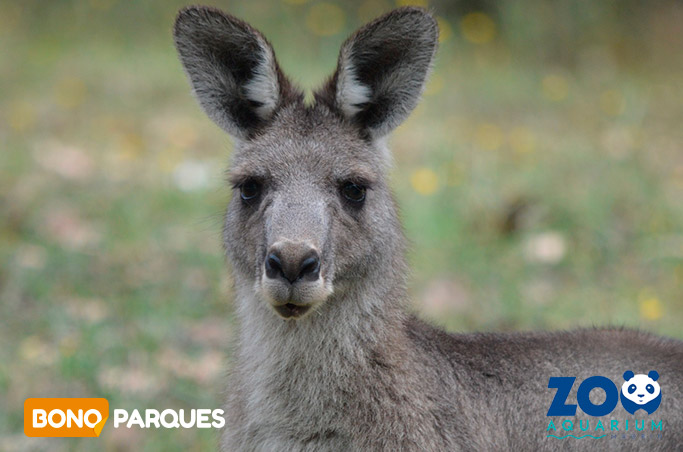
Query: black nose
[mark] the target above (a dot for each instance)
(293, 264)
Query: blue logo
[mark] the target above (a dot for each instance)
(638, 392)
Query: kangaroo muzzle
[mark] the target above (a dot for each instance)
(293, 279)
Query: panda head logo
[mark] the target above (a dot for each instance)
(641, 392)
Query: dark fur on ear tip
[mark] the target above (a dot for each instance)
(382, 70)
(194, 18)
(232, 69)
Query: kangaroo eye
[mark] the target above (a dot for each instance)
(353, 192)
(631, 389)
(249, 190)
(650, 389)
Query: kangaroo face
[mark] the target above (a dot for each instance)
(310, 213)
(307, 207)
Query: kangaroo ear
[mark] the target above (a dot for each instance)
(654, 375)
(231, 67)
(382, 70)
(628, 375)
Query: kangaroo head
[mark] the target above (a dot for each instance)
(311, 213)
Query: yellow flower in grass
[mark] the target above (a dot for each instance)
(425, 181)
(422, 3)
(478, 28)
(651, 308)
(649, 304)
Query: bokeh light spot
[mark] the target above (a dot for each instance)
(325, 19)
(425, 181)
(651, 309)
(422, 3)
(548, 247)
(478, 28)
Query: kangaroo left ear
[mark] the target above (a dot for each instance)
(653, 375)
(382, 70)
(232, 69)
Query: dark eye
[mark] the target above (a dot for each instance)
(249, 190)
(353, 192)
(631, 389)
(650, 389)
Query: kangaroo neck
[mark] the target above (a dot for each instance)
(352, 323)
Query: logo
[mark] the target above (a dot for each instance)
(638, 392)
(66, 417)
(641, 392)
(55, 417)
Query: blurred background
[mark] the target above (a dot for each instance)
(540, 181)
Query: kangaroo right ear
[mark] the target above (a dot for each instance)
(382, 70)
(231, 67)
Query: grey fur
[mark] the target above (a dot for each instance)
(358, 371)
(232, 69)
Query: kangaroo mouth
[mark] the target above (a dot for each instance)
(291, 310)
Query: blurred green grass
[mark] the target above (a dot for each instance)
(540, 183)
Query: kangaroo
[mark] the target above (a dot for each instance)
(329, 357)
